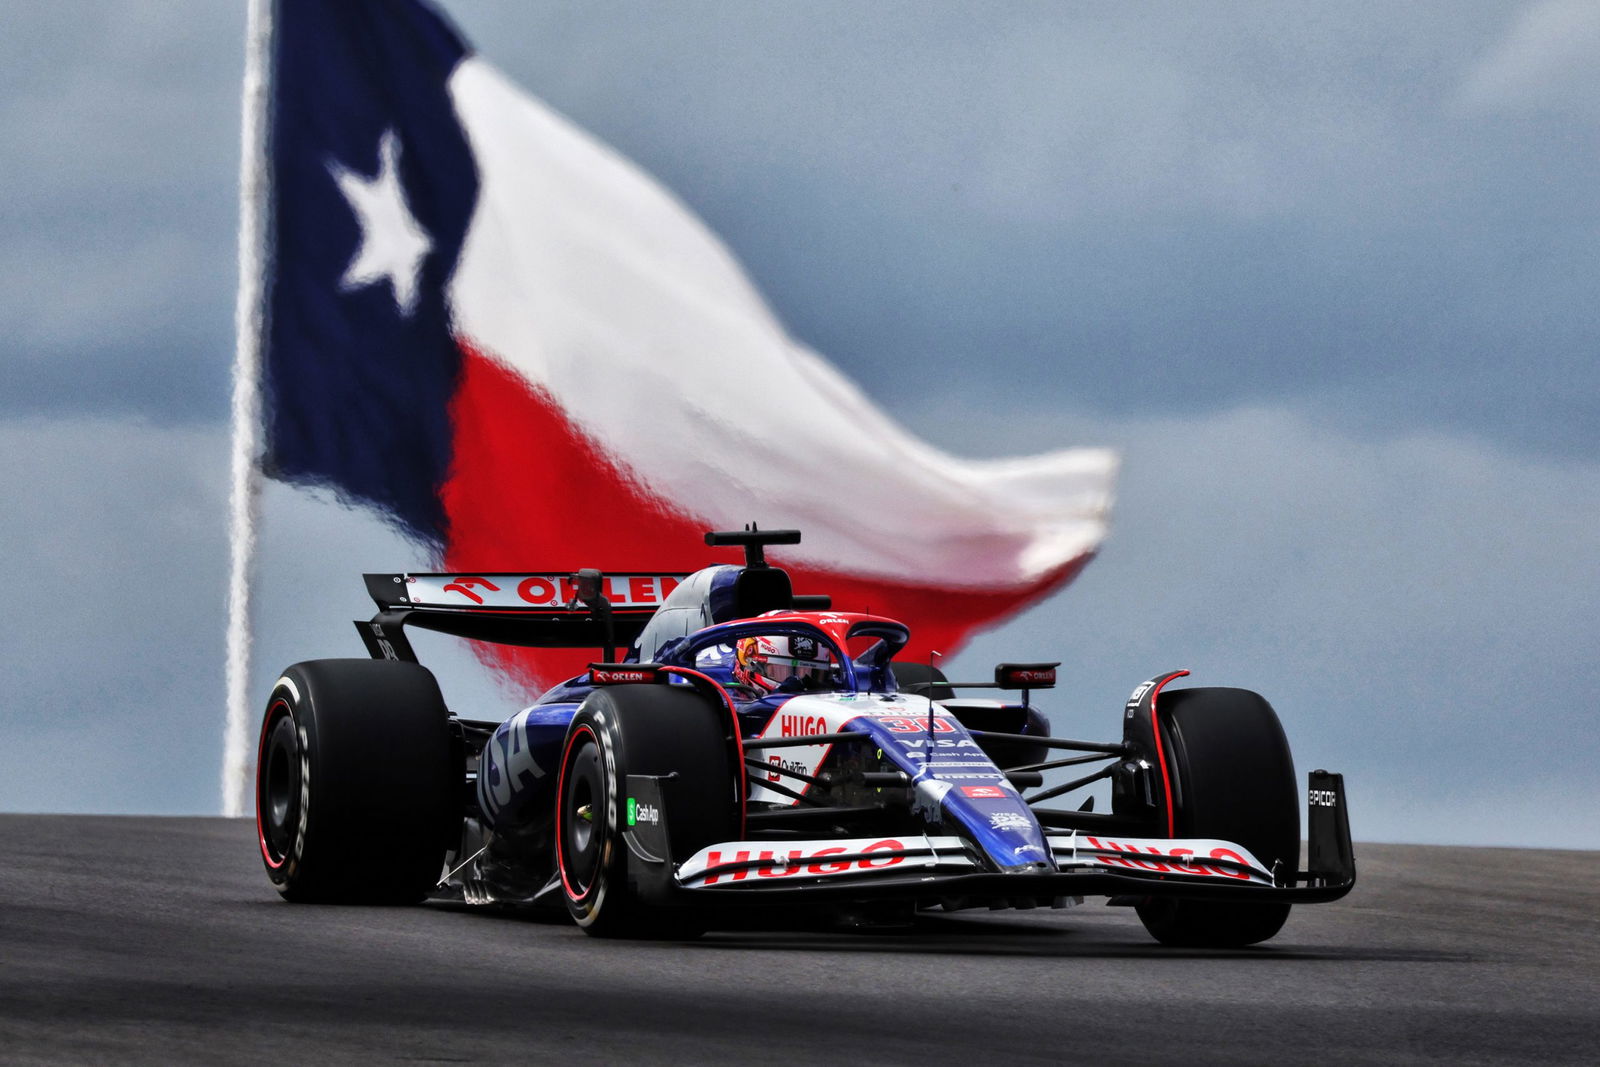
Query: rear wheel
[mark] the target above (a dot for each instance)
(908, 673)
(1232, 779)
(653, 730)
(354, 790)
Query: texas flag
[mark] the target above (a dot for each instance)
(529, 355)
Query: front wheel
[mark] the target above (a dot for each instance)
(1232, 779)
(653, 730)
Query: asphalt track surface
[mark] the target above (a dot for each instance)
(159, 940)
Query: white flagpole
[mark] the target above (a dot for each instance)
(249, 327)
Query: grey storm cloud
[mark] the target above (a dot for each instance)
(1415, 609)
(117, 229)
(1411, 605)
(1544, 63)
(1388, 217)
(1245, 203)
(1324, 275)
(111, 652)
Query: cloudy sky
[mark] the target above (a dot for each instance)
(1325, 276)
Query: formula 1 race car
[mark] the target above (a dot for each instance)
(755, 748)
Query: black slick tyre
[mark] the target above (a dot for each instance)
(1232, 779)
(652, 730)
(356, 783)
(909, 673)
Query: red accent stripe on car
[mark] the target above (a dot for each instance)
(1161, 754)
(261, 748)
(561, 796)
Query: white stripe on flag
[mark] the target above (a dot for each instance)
(597, 286)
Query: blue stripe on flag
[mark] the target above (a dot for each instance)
(360, 364)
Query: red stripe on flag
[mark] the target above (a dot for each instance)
(529, 489)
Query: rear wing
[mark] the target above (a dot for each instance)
(582, 609)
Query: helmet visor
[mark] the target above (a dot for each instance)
(782, 668)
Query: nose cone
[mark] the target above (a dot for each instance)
(957, 785)
(1000, 822)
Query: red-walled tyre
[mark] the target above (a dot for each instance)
(1232, 779)
(355, 783)
(641, 730)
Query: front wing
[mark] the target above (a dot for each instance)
(949, 866)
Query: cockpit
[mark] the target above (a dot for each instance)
(764, 663)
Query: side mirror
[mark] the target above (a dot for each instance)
(1025, 675)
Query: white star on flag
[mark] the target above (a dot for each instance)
(393, 243)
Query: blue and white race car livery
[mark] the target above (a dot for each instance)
(752, 746)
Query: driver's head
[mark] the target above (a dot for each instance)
(767, 662)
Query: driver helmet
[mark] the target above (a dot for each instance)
(766, 662)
